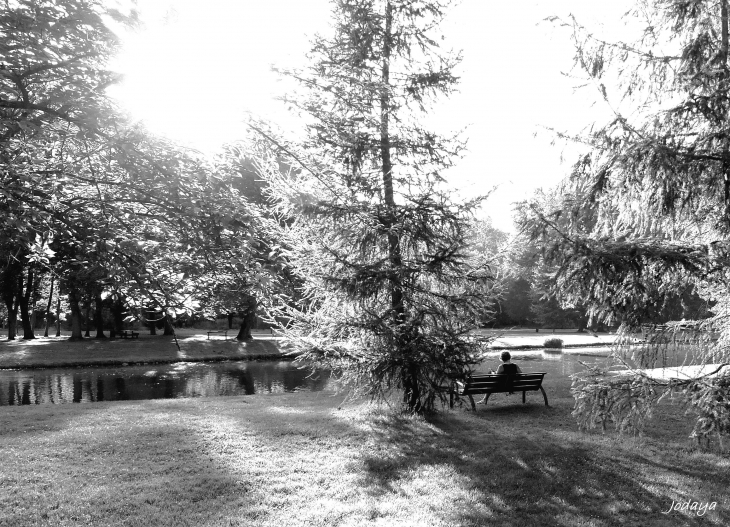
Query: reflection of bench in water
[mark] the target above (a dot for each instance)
(489, 384)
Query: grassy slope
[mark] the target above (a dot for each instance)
(300, 459)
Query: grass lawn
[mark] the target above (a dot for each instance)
(307, 459)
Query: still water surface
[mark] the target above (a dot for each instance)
(155, 381)
(554, 362)
(198, 379)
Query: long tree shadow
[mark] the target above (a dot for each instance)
(534, 475)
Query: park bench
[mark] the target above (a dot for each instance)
(494, 383)
(224, 331)
(128, 333)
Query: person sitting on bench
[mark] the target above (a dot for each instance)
(507, 367)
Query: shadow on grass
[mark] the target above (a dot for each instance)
(298, 459)
(505, 468)
(112, 463)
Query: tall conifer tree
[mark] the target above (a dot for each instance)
(389, 291)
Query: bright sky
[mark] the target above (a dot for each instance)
(196, 67)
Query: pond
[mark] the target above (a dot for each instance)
(154, 381)
(554, 362)
(199, 379)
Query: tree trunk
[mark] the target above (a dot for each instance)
(24, 299)
(34, 299)
(87, 316)
(99, 316)
(58, 312)
(582, 322)
(13, 322)
(410, 369)
(73, 301)
(248, 319)
(10, 296)
(33, 303)
(411, 387)
(169, 330)
(151, 317)
(230, 320)
(12, 305)
(117, 316)
(48, 307)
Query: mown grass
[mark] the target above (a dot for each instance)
(307, 459)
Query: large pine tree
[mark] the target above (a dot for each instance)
(389, 291)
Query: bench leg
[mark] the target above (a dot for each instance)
(544, 395)
(523, 396)
(451, 400)
(486, 399)
(473, 406)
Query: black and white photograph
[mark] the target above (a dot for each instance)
(342, 263)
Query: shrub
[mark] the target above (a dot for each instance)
(553, 343)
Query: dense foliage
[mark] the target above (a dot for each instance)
(642, 223)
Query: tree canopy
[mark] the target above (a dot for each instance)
(104, 206)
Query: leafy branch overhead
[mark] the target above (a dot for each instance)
(644, 216)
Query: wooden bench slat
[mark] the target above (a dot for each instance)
(502, 381)
(495, 376)
(499, 390)
(502, 388)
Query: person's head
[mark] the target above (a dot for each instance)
(505, 356)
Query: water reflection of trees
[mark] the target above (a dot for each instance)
(195, 380)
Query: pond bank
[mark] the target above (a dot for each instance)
(523, 340)
(59, 352)
(195, 346)
(541, 347)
